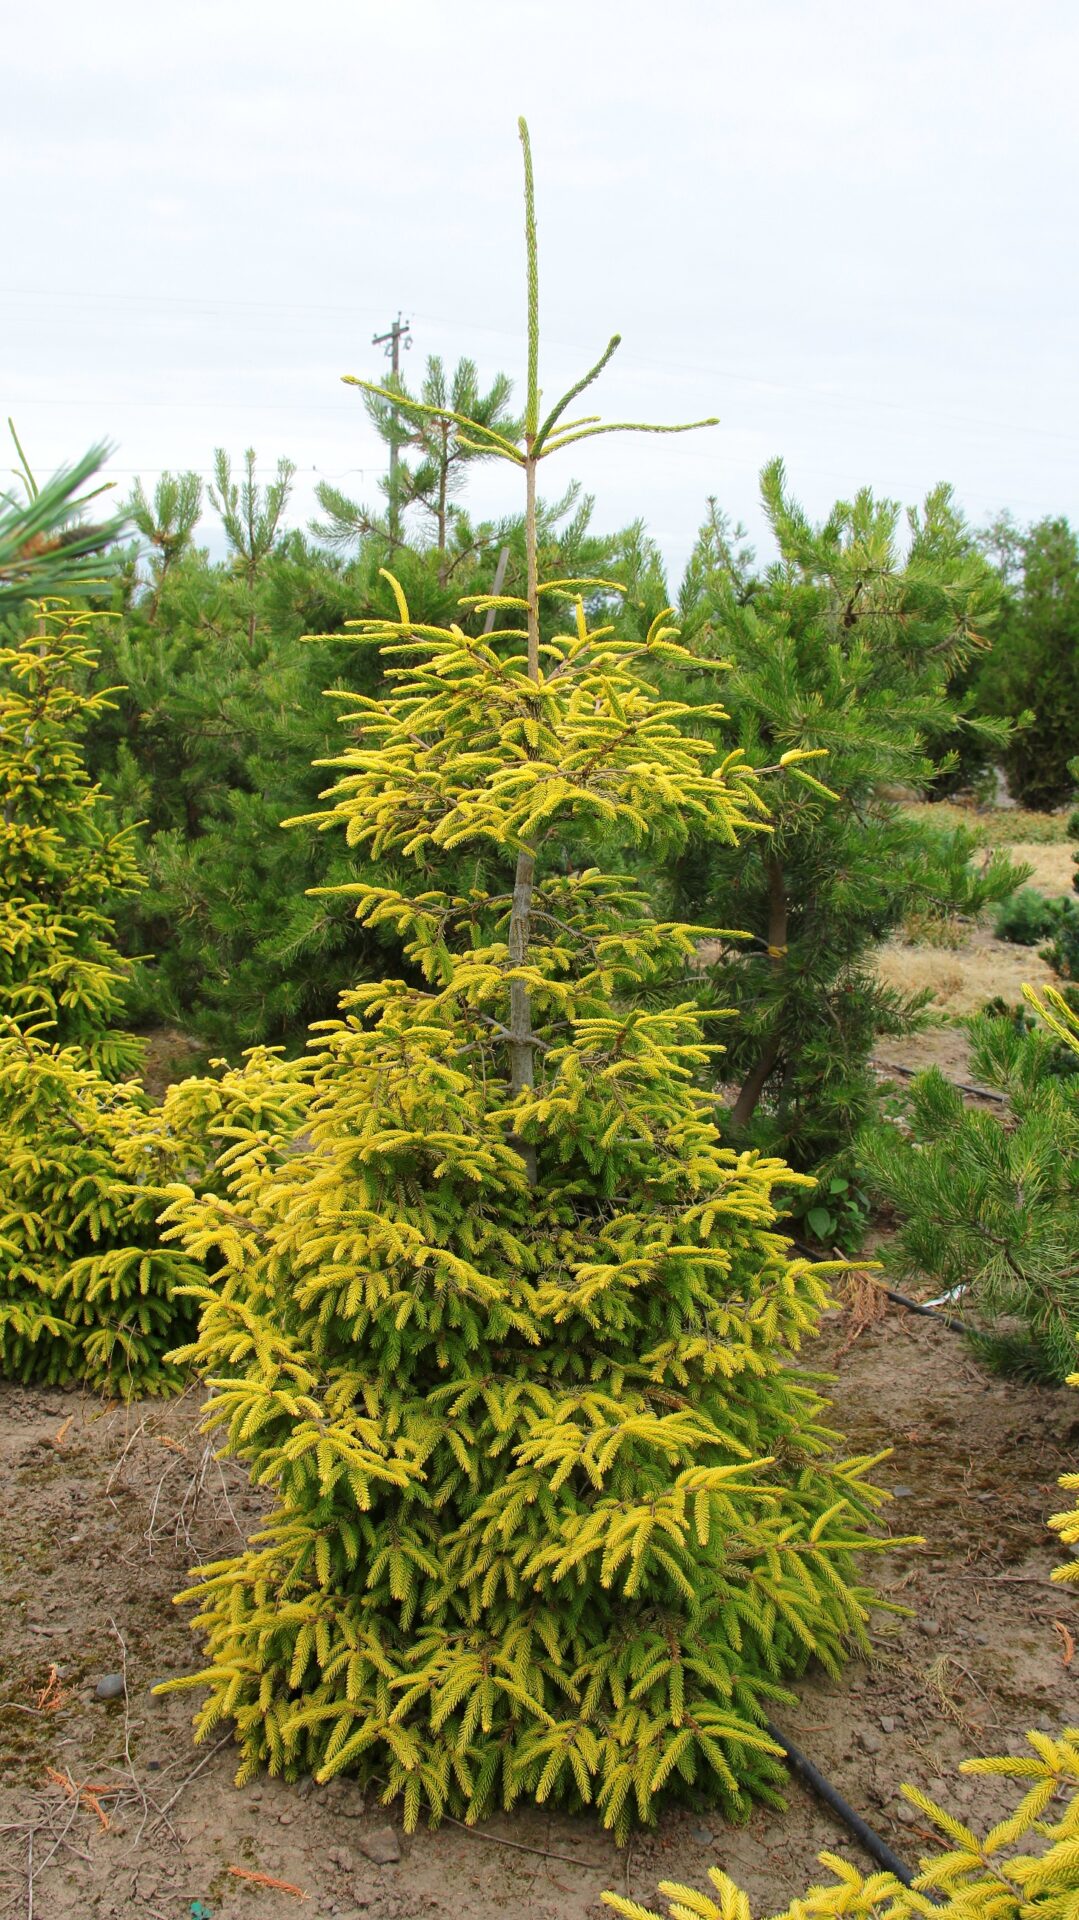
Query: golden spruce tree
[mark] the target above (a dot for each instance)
(509, 1334)
(1025, 1868)
(87, 1292)
(84, 1293)
(63, 863)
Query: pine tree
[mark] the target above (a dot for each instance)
(46, 546)
(989, 1205)
(430, 423)
(844, 647)
(251, 517)
(512, 1336)
(1033, 671)
(166, 523)
(209, 746)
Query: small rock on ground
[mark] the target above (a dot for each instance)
(380, 1846)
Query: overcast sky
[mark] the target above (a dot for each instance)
(848, 230)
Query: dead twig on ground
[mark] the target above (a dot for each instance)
(52, 1696)
(86, 1793)
(521, 1846)
(184, 1784)
(136, 1785)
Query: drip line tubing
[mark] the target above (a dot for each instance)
(961, 1086)
(931, 1313)
(878, 1849)
(901, 1299)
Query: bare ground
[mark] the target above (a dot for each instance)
(961, 979)
(106, 1509)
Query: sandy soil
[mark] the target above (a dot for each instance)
(105, 1510)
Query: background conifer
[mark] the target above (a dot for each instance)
(210, 743)
(987, 1203)
(844, 646)
(1033, 669)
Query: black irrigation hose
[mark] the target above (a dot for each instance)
(961, 1086)
(877, 1849)
(901, 1299)
(931, 1313)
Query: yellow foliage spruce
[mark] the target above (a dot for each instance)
(510, 1335)
(1025, 1868)
(63, 865)
(87, 1293)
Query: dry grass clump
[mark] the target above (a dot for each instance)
(1002, 826)
(961, 981)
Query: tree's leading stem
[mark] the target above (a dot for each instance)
(521, 1048)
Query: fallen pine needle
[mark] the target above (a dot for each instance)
(1068, 1639)
(89, 1795)
(267, 1880)
(60, 1436)
(174, 1446)
(51, 1698)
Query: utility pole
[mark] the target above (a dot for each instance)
(393, 341)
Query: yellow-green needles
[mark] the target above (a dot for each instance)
(539, 440)
(507, 1330)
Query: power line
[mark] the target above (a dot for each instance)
(711, 369)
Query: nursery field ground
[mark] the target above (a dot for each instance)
(106, 1508)
(977, 968)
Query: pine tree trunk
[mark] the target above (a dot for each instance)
(749, 1098)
